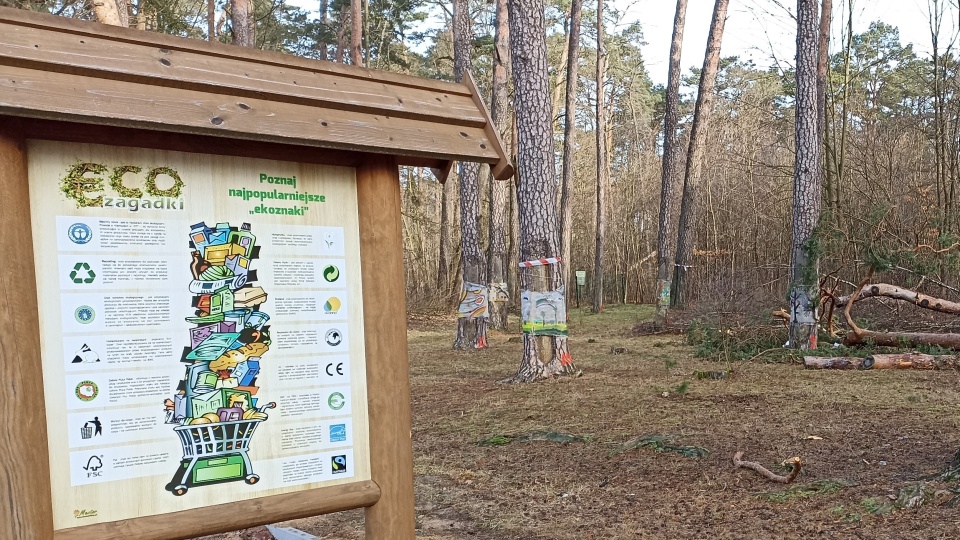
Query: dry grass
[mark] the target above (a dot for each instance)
(880, 431)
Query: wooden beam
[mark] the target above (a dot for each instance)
(503, 168)
(99, 57)
(25, 507)
(229, 517)
(388, 370)
(76, 98)
(51, 130)
(77, 27)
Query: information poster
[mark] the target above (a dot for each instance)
(201, 326)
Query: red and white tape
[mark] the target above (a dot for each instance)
(540, 262)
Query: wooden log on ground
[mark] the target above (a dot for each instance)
(898, 293)
(912, 360)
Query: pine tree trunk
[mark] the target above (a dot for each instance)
(687, 238)
(539, 228)
(823, 66)
(569, 133)
(109, 12)
(671, 186)
(324, 21)
(471, 333)
(602, 170)
(806, 183)
(498, 259)
(243, 17)
(356, 32)
(447, 221)
(211, 20)
(342, 44)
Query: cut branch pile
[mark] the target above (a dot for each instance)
(795, 462)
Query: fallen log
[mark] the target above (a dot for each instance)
(913, 360)
(901, 339)
(795, 462)
(892, 291)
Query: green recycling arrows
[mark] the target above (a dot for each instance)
(82, 267)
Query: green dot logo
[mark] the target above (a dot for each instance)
(331, 273)
(82, 273)
(84, 314)
(336, 401)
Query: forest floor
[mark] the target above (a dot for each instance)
(864, 436)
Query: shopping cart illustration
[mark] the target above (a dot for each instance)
(215, 453)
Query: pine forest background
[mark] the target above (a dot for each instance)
(892, 146)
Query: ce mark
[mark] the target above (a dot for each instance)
(335, 368)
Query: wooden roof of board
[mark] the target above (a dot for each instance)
(64, 69)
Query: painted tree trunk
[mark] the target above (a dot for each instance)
(471, 333)
(671, 186)
(498, 260)
(537, 193)
(602, 169)
(806, 183)
(244, 23)
(356, 32)
(687, 238)
(569, 134)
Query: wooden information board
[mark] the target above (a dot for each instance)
(203, 317)
(203, 281)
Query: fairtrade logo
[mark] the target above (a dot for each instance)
(338, 432)
(331, 273)
(332, 306)
(333, 337)
(87, 275)
(87, 391)
(335, 368)
(84, 315)
(336, 401)
(338, 464)
(79, 233)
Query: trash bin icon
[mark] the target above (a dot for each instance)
(86, 432)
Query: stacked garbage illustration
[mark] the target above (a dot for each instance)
(215, 407)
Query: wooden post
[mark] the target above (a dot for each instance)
(25, 508)
(388, 373)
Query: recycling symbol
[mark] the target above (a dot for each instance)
(77, 276)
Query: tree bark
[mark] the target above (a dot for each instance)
(324, 23)
(356, 32)
(602, 168)
(471, 333)
(211, 20)
(569, 134)
(912, 360)
(537, 193)
(498, 259)
(823, 67)
(342, 44)
(244, 27)
(806, 183)
(687, 238)
(110, 12)
(670, 179)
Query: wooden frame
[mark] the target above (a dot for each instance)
(68, 80)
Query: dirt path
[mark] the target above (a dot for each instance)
(878, 432)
